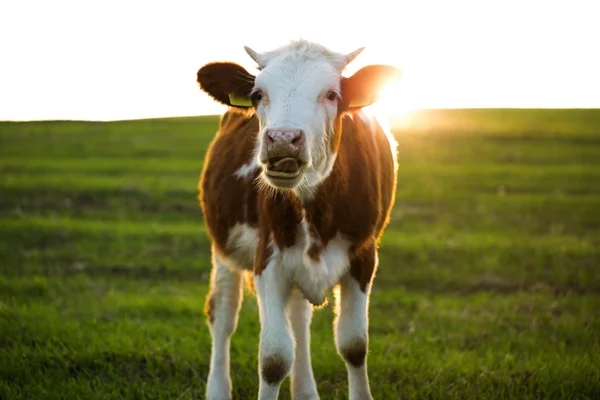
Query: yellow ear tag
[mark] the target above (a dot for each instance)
(241, 101)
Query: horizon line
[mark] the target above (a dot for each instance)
(400, 115)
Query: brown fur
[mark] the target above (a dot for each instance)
(209, 308)
(354, 200)
(366, 85)
(226, 199)
(355, 352)
(274, 369)
(263, 253)
(315, 250)
(362, 265)
(224, 78)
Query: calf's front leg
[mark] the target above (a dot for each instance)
(276, 352)
(299, 311)
(351, 323)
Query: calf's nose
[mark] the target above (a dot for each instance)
(284, 138)
(283, 149)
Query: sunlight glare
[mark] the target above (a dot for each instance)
(395, 104)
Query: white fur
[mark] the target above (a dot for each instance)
(352, 323)
(299, 313)
(295, 81)
(226, 292)
(243, 239)
(276, 340)
(316, 278)
(246, 171)
(313, 278)
(287, 268)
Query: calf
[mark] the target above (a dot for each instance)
(297, 187)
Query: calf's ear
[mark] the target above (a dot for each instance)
(227, 82)
(364, 87)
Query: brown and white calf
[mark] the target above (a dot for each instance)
(297, 187)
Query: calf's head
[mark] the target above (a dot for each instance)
(298, 96)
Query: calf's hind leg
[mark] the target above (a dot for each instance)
(222, 308)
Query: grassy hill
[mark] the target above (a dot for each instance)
(488, 286)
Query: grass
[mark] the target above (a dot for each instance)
(488, 286)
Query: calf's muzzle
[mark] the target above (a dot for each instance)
(283, 150)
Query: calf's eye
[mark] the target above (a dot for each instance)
(331, 95)
(256, 96)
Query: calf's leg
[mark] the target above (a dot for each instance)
(276, 352)
(299, 311)
(222, 308)
(351, 323)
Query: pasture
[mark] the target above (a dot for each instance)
(488, 284)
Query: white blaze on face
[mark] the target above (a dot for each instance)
(295, 98)
(300, 87)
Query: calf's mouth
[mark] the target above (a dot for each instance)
(283, 167)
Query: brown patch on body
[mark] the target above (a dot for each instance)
(316, 246)
(355, 352)
(262, 256)
(280, 216)
(274, 369)
(315, 250)
(283, 214)
(226, 199)
(209, 308)
(362, 265)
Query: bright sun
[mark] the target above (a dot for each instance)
(393, 99)
(394, 104)
(397, 100)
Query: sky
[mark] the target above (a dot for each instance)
(129, 59)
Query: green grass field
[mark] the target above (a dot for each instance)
(488, 285)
